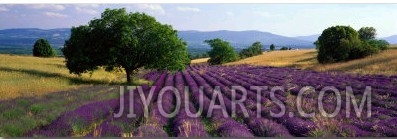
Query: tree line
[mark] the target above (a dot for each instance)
(222, 52)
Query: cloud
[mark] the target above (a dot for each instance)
(86, 10)
(3, 9)
(156, 8)
(263, 14)
(267, 14)
(88, 5)
(229, 13)
(188, 9)
(55, 7)
(54, 14)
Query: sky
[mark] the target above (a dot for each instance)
(283, 19)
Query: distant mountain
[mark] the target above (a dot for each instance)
(25, 37)
(242, 39)
(310, 38)
(391, 39)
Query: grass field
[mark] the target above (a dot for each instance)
(293, 58)
(382, 63)
(27, 76)
(101, 122)
(201, 60)
(25, 113)
(34, 91)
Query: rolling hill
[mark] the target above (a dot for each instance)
(25, 37)
(310, 38)
(242, 39)
(391, 39)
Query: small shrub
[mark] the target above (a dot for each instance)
(272, 47)
(13, 130)
(13, 113)
(23, 103)
(35, 109)
(379, 44)
(285, 48)
(365, 49)
(42, 48)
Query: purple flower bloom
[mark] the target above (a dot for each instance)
(234, 129)
(266, 128)
(150, 131)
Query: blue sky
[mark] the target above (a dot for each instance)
(282, 19)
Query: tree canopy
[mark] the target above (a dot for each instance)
(42, 48)
(342, 43)
(253, 50)
(124, 40)
(367, 33)
(335, 42)
(221, 52)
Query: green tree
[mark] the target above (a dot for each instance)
(221, 52)
(253, 50)
(367, 33)
(272, 47)
(316, 44)
(362, 50)
(257, 48)
(121, 40)
(379, 44)
(42, 48)
(335, 44)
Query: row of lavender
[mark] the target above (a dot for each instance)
(382, 123)
(84, 120)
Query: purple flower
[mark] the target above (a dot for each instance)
(150, 131)
(266, 128)
(234, 129)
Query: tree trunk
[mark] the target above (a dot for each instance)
(129, 72)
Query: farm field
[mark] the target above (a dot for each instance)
(132, 70)
(200, 60)
(35, 91)
(97, 119)
(33, 76)
(25, 113)
(384, 63)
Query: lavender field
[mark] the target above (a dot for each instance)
(255, 117)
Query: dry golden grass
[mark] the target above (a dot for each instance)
(201, 60)
(382, 63)
(27, 75)
(299, 58)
